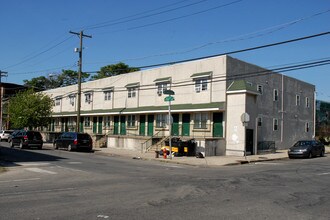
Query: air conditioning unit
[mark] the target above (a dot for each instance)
(198, 89)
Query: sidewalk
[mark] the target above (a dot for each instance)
(193, 161)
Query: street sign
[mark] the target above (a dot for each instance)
(169, 92)
(169, 98)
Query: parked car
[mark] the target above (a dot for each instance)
(12, 135)
(306, 149)
(26, 139)
(4, 134)
(74, 141)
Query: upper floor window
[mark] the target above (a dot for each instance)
(259, 121)
(200, 120)
(131, 92)
(307, 102)
(297, 100)
(200, 84)
(275, 124)
(57, 101)
(260, 89)
(131, 121)
(107, 95)
(72, 99)
(161, 87)
(161, 120)
(275, 95)
(88, 97)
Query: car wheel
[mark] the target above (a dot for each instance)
(69, 147)
(55, 146)
(11, 144)
(322, 153)
(310, 155)
(40, 147)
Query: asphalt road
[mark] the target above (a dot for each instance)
(48, 184)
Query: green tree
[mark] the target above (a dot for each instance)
(113, 70)
(54, 80)
(30, 109)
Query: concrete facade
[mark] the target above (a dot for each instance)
(129, 109)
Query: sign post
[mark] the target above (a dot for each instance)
(169, 99)
(245, 118)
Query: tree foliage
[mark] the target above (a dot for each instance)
(66, 78)
(30, 109)
(113, 70)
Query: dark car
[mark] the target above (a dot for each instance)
(306, 149)
(74, 141)
(26, 139)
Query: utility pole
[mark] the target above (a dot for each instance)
(2, 74)
(80, 49)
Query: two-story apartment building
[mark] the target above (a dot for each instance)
(212, 96)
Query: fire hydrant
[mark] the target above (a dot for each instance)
(164, 153)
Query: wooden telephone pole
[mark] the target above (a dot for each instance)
(2, 74)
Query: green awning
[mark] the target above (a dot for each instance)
(201, 75)
(165, 79)
(130, 85)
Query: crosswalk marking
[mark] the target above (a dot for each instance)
(38, 170)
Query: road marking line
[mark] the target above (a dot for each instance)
(74, 162)
(19, 180)
(38, 170)
(38, 191)
(320, 174)
(32, 164)
(265, 163)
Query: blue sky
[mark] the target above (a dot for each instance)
(35, 39)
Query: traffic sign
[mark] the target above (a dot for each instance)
(169, 98)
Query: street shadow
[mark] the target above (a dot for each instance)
(10, 157)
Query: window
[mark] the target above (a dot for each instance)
(200, 120)
(88, 98)
(161, 87)
(72, 99)
(275, 124)
(107, 121)
(131, 121)
(307, 127)
(57, 101)
(87, 121)
(259, 122)
(297, 100)
(160, 121)
(107, 95)
(260, 89)
(307, 102)
(200, 85)
(275, 95)
(131, 92)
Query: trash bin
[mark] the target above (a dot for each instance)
(156, 154)
(191, 145)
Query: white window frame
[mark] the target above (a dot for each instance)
(131, 92)
(57, 101)
(275, 124)
(275, 95)
(131, 121)
(87, 121)
(88, 97)
(201, 84)
(161, 87)
(72, 99)
(161, 121)
(107, 121)
(107, 95)
(200, 120)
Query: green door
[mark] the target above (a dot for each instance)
(175, 125)
(122, 125)
(142, 129)
(185, 124)
(99, 125)
(116, 125)
(81, 129)
(150, 125)
(217, 124)
(94, 125)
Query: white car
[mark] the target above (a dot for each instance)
(4, 134)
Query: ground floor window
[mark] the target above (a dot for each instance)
(87, 121)
(131, 121)
(160, 120)
(200, 120)
(107, 121)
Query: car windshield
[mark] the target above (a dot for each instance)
(302, 143)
